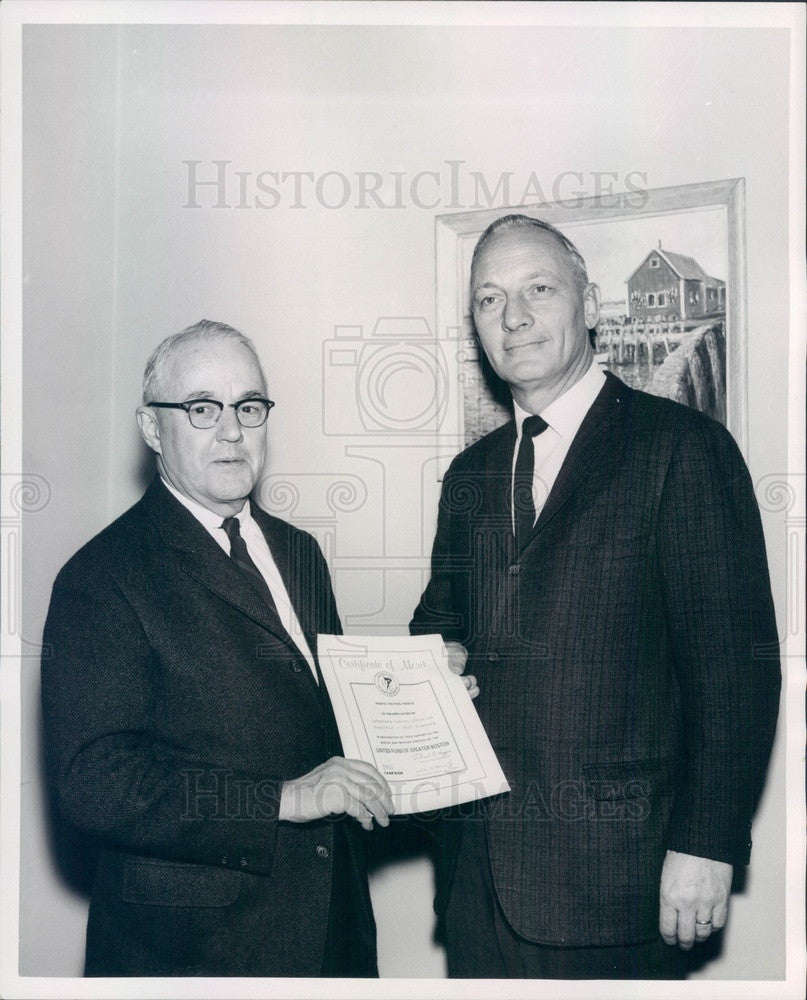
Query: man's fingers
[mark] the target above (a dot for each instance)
(366, 772)
(678, 926)
(330, 788)
(697, 890)
(359, 812)
(379, 809)
(456, 655)
(363, 780)
(668, 923)
(470, 685)
(719, 915)
(703, 925)
(363, 802)
(380, 796)
(686, 929)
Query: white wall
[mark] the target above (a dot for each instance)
(678, 105)
(69, 161)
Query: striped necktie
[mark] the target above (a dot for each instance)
(243, 560)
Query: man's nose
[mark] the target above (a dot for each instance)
(228, 427)
(516, 315)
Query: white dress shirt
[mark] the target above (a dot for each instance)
(564, 417)
(262, 557)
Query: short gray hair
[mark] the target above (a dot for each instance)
(205, 331)
(514, 222)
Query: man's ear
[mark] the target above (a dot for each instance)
(149, 428)
(591, 304)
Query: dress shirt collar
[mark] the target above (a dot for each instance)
(566, 413)
(208, 518)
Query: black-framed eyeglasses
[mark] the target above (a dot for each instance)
(204, 413)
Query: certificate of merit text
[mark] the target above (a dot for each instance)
(399, 707)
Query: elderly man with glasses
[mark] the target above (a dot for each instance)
(187, 726)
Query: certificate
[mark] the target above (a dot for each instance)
(399, 707)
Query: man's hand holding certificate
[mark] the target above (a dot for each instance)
(400, 707)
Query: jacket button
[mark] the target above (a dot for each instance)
(296, 668)
(243, 862)
(493, 657)
(322, 852)
(514, 570)
(224, 861)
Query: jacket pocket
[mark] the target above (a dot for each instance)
(152, 882)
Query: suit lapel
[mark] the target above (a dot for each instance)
(595, 442)
(200, 557)
(498, 471)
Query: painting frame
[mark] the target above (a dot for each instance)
(457, 233)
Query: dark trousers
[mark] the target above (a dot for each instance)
(480, 944)
(350, 938)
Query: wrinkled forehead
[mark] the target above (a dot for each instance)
(212, 366)
(509, 253)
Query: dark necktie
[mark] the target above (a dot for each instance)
(523, 503)
(242, 559)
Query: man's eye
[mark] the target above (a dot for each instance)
(539, 289)
(202, 409)
(487, 301)
(249, 407)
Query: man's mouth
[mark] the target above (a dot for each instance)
(523, 344)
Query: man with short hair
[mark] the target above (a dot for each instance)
(187, 724)
(600, 562)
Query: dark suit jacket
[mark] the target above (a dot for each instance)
(175, 705)
(627, 660)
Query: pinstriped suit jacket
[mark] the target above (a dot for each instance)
(627, 659)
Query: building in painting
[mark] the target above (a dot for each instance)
(669, 287)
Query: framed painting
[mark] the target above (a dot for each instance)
(670, 264)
